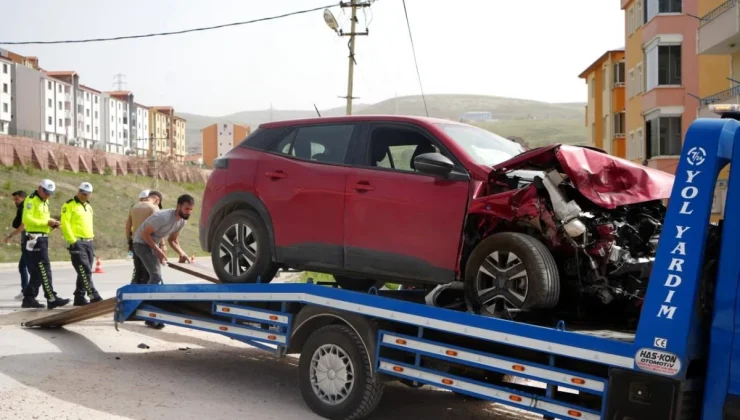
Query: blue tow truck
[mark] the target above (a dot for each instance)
(681, 362)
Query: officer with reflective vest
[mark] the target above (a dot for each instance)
(38, 224)
(77, 229)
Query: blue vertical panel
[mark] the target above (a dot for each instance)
(722, 365)
(669, 316)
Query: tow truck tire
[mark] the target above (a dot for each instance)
(541, 278)
(263, 268)
(343, 349)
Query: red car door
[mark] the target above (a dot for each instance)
(400, 223)
(301, 182)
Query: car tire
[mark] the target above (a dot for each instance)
(527, 279)
(250, 269)
(357, 285)
(351, 372)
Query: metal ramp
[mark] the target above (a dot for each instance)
(108, 306)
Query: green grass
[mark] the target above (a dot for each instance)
(111, 200)
(540, 132)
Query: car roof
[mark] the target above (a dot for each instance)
(355, 119)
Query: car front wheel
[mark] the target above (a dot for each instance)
(510, 272)
(241, 250)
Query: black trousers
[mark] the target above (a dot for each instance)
(40, 270)
(83, 254)
(140, 275)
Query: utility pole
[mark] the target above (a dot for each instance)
(119, 82)
(354, 5)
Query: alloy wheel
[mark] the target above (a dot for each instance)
(502, 284)
(238, 249)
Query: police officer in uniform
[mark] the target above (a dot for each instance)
(77, 229)
(38, 224)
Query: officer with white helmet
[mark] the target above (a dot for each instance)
(38, 223)
(77, 229)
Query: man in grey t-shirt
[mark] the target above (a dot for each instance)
(160, 225)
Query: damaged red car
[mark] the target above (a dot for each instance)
(429, 202)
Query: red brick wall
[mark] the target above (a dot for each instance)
(22, 151)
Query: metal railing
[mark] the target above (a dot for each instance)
(716, 12)
(730, 93)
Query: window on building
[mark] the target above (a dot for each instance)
(630, 20)
(60, 105)
(619, 74)
(5, 69)
(605, 128)
(639, 79)
(49, 103)
(59, 89)
(663, 136)
(639, 15)
(619, 119)
(96, 114)
(5, 107)
(639, 145)
(87, 128)
(631, 146)
(61, 123)
(670, 6)
(50, 122)
(96, 131)
(669, 65)
(48, 85)
(631, 85)
(95, 99)
(5, 88)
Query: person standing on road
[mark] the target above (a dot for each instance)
(77, 229)
(164, 223)
(149, 203)
(18, 198)
(38, 224)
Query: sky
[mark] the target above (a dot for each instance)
(533, 49)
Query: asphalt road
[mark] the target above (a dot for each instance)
(91, 371)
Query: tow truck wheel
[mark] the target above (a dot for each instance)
(509, 272)
(335, 375)
(241, 250)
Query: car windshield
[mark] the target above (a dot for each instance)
(482, 145)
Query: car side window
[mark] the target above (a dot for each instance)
(396, 148)
(320, 143)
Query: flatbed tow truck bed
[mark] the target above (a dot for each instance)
(678, 364)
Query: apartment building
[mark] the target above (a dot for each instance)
(159, 124)
(59, 112)
(178, 126)
(141, 133)
(116, 124)
(89, 128)
(605, 109)
(6, 94)
(218, 139)
(718, 46)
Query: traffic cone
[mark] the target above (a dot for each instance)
(98, 268)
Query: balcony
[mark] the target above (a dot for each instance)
(719, 30)
(729, 96)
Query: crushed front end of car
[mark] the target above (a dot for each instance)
(598, 215)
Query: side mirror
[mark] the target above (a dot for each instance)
(433, 164)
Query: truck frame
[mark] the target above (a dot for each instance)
(681, 362)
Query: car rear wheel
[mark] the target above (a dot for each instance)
(241, 250)
(509, 272)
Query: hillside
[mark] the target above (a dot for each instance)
(551, 118)
(111, 200)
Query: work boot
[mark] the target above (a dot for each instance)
(80, 301)
(96, 298)
(155, 325)
(56, 303)
(29, 302)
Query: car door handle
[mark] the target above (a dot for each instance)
(276, 174)
(363, 186)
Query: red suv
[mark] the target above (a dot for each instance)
(423, 201)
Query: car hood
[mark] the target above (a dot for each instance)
(606, 180)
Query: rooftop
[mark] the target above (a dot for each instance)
(598, 61)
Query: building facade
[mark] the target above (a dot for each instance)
(6, 94)
(142, 134)
(89, 131)
(605, 108)
(178, 127)
(218, 139)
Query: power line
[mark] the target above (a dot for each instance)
(416, 63)
(207, 28)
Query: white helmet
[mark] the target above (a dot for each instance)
(48, 186)
(86, 188)
(143, 194)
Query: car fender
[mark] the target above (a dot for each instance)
(232, 202)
